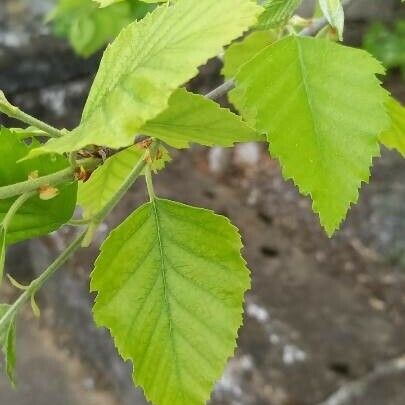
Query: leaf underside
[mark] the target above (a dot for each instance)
(170, 283)
(147, 62)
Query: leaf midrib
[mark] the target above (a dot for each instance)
(310, 104)
(166, 291)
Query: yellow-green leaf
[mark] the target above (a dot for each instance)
(191, 118)
(323, 110)
(147, 62)
(170, 283)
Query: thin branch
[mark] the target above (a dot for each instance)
(40, 281)
(18, 203)
(54, 179)
(354, 390)
(221, 90)
(14, 112)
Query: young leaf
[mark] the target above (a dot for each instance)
(323, 110)
(334, 13)
(394, 137)
(170, 283)
(147, 62)
(36, 217)
(191, 118)
(277, 13)
(107, 179)
(7, 343)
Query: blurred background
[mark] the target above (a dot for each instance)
(322, 314)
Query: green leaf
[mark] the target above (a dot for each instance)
(106, 180)
(7, 343)
(191, 118)
(147, 62)
(88, 27)
(334, 13)
(394, 137)
(170, 283)
(36, 217)
(277, 13)
(241, 52)
(323, 110)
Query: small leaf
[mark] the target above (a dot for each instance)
(394, 137)
(8, 344)
(147, 62)
(191, 118)
(334, 13)
(170, 283)
(323, 110)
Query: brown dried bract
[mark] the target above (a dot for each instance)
(82, 174)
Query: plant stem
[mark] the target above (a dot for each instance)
(53, 179)
(221, 90)
(149, 183)
(14, 112)
(40, 281)
(15, 207)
